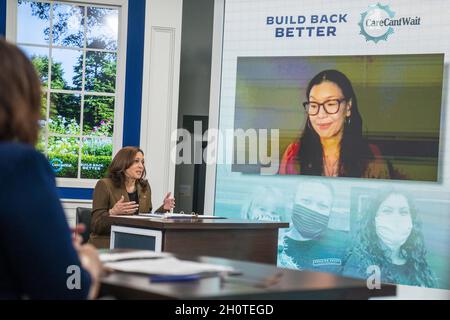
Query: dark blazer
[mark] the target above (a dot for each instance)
(106, 194)
(35, 240)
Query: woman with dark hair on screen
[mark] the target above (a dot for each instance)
(332, 143)
(39, 259)
(390, 238)
(124, 192)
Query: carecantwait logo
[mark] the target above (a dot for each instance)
(379, 21)
(57, 165)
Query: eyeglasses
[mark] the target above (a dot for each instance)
(330, 106)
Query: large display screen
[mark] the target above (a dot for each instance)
(338, 111)
(398, 98)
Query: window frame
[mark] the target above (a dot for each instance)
(119, 108)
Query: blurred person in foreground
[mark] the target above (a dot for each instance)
(39, 257)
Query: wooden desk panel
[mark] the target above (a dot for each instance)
(155, 223)
(247, 240)
(258, 245)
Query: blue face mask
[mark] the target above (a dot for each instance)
(309, 223)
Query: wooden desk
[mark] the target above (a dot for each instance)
(292, 284)
(247, 240)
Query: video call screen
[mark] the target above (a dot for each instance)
(399, 98)
(355, 159)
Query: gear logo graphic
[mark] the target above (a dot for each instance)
(56, 164)
(374, 23)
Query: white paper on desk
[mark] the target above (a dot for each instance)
(132, 216)
(166, 266)
(178, 215)
(152, 215)
(141, 254)
(202, 216)
(168, 215)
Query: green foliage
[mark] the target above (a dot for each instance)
(100, 70)
(100, 76)
(58, 81)
(61, 125)
(96, 152)
(43, 106)
(97, 147)
(104, 129)
(41, 143)
(40, 63)
(98, 115)
(94, 167)
(96, 155)
(66, 105)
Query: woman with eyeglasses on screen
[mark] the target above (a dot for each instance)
(39, 259)
(332, 143)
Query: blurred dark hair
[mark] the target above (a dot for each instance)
(354, 149)
(371, 251)
(121, 162)
(261, 196)
(20, 96)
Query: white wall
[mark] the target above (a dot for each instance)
(160, 92)
(70, 206)
(417, 293)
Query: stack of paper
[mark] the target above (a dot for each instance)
(166, 266)
(132, 255)
(178, 216)
(134, 216)
(167, 215)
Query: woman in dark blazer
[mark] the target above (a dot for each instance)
(39, 259)
(124, 192)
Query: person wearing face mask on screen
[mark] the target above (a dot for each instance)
(311, 244)
(390, 238)
(266, 203)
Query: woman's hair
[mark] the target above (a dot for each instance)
(121, 162)
(354, 150)
(371, 251)
(20, 96)
(264, 197)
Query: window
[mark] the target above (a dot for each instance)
(75, 50)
